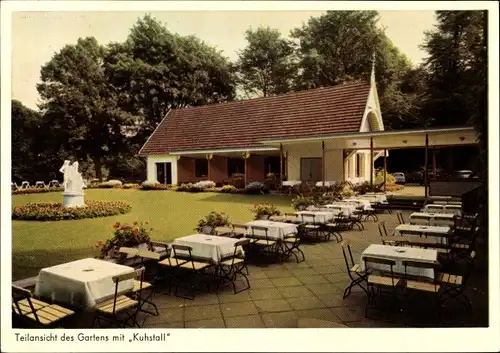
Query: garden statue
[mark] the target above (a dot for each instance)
(73, 185)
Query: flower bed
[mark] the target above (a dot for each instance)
(153, 185)
(53, 211)
(36, 190)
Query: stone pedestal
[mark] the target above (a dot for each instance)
(73, 199)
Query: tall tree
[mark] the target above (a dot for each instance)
(266, 66)
(81, 106)
(155, 70)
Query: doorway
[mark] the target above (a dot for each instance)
(310, 169)
(164, 173)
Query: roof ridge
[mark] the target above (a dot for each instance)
(288, 94)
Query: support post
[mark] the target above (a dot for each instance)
(245, 157)
(343, 165)
(323, 163)
(434, 162)
(281, 167)
(426, 162)
(209, 159)
(385, 169)
(371, 162)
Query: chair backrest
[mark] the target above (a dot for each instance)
(379, 261)
(184, 248)
(421, 265)
(19, 294)
(346, 250)
(311, 215)
(147, 254)
(237, 245)
(128, 251)
(139, 274)
(260, 229)
(401, 219)
(382, 229)
(240, 228)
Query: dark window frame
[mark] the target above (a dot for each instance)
(235, 165)
(200, 168)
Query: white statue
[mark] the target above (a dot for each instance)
(73, 181)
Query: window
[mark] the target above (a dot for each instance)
(272, 165)
(235, 165)
(200, 168)
(358, 165)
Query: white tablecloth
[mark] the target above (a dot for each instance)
(327, 183)
(361, 202)
(343, 207)
(428, 231)
(376, 198)
(409, 254)
(320, 217)
(452, 209)
(291, 182)
(207, 247)
(275, 230)
(82, 283)
(433, 219)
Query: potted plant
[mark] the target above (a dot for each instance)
(301, 203)
(265, 210)
(213, 220)
(125, 235)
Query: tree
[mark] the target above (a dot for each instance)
(81, 106)
(155, 71)
(267, 64)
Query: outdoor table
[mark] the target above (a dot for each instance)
(291, 182)
(82, 283)
(400, 254)
(432, 219)
(453, 209)
(207, 247)
(275, 230)
(339, 207)
(361, 202)
(327, 183)
(320, 217)
(373, 198)
(436, 233)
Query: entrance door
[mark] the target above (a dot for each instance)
(310, 169)
(164, 173)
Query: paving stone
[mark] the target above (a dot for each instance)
(349, 313)
(326, 269)
(168, 301)
(247, 321)
(293, 292)
(303, 272)
(256, 275)
(228, 296)
(309, 302)
(167, 315)
(238, 309)
(278, 273)
(314, 279)
(206, 323)
(287, 319)
(286, 282)
(202, 312)
(323, 288)
(272, 305)
(332, 300)
(265, 293)
(204, 299)
(178, 324)
(321, 314)
(261, 283)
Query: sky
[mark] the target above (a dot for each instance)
(37, 36)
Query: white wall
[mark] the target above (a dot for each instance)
(333, 160)
(151, 166)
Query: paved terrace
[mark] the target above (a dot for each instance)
(281, 294)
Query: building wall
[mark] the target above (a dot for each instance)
(151, 166)
(218, 169)
(333, 160)
(255, 168)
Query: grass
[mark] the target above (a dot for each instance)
(36, 245)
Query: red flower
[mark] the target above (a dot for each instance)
(134, 233)
(135, 223)
(117, 225)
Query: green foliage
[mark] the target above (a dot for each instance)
(267, 65)
(110, 184)
(265, 210)
(213, 220)
(379, 178)
(256, 188)
(300, 203)
(131, 186)
(228, 189)
(53, 211)
(125, 235)
(153, 185)
(190, 187)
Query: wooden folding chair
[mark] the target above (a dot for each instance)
(420, 220)
(389, 239)
(226, 231)
(141, 287)
(111, 310)
(239, 230)
(291, 242)
(370, 212)
(233, 266)
(357, 276)
(292, 218)
(381, 281)
(311, 228)
(261, 242)
(193, 267)
(37, 312)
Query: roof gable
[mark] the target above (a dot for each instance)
(241, 124)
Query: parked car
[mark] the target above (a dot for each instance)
(462, 174)
(400, 177)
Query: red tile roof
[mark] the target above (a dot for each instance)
(239, 124)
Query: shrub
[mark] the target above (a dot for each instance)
(265, 210)
(271, 182)
(36, 190)
(301, 203)
(130, 186)
(256, 188)
(379, 178)
(53, 211)
(394, 187)
(110, 184)
(153, 185)
(228, 189)
(362, 188)
(205, 184)
(213, 220)
(125, 235)
(189, 187)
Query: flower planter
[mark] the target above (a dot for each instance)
(263, 217)
(207, 230)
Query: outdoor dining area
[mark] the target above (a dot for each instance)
(428, 258)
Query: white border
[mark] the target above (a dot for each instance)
(293, 340)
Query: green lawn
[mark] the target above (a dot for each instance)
(170, 214)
